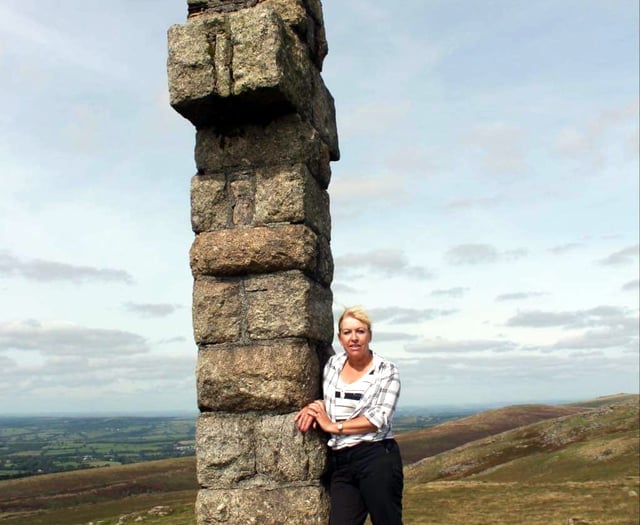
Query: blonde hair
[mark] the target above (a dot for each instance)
(357, 312)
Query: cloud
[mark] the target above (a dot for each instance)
(478, 203)
(617, 336)
(399, 315)
(151, 309)
(48, 271)
(475, 345)
(603, 316)
(67, 339)
(393, 336)
(171, 340)
(414, 160)
(501, 147)
(564, 248)
(624, 256)
(343, 288)
(480, 254)
(59, 44)
(517, 296)
(390, 188)
(105, 382)
(455, 292)
(390, 263)
(372, 119)
(631, 285)
(587, 141)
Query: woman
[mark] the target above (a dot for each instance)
(361, 391)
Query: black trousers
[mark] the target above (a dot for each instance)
(367, 479)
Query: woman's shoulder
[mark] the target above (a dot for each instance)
(382, 363)
(336, 360)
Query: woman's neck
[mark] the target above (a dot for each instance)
(362, 363)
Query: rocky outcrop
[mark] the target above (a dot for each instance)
(246, 73)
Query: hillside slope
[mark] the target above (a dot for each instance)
(599, 444)
(419, 444)
(85, 495)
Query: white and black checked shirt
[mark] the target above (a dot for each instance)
(377, 404)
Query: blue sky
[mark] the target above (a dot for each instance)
(485, 208)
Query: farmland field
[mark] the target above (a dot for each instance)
(40, 445)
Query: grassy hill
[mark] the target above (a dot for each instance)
(615, 399)
(581, 463)
(583, 467)
(419, 444)
(598, 444)
(103, 494)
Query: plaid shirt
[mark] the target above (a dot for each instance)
(377, 404)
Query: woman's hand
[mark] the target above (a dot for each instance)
(319, 413)
(305, 419)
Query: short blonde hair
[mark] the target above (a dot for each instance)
(357, 312)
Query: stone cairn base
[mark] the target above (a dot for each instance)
(246, 73)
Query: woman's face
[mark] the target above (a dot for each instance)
(354, 337)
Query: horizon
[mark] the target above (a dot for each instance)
(400, 409)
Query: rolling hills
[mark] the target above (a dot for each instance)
(532, 464)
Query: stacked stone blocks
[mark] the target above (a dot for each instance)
(246, 73)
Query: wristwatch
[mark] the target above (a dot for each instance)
(340, 427)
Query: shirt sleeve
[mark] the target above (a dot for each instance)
(380, 410)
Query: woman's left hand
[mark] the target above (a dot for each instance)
(318, 411)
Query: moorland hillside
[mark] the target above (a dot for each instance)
(418, 444)
(581, 465)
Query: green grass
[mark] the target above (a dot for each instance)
(487, 503)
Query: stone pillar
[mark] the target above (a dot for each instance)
(246, 73)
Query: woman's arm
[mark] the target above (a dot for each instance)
(357, 425)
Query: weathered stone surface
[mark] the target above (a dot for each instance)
(303, 17)
(285, 141)
(257, 450)
(217, 311)
(244, 66)
(222, 6)
(276, 436)
(264, 196)
(289, 194)
(225, 448)
(297, 505)
(242, 204)
(281, 375)
(254, 250)
(288, 304)
(210, 206)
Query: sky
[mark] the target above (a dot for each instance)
(484, 209)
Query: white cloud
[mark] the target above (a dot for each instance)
(604, 316)
(151, 309)
(58, 44)
(478, 253)
(517, 296)
(401, 315)
(624, 256)
(475, 203)
(565, 248)
(391, 263)
(631, 285)
(501, 147)
(431, 346)
(455, 292)
(49, 271)
(67, 339)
